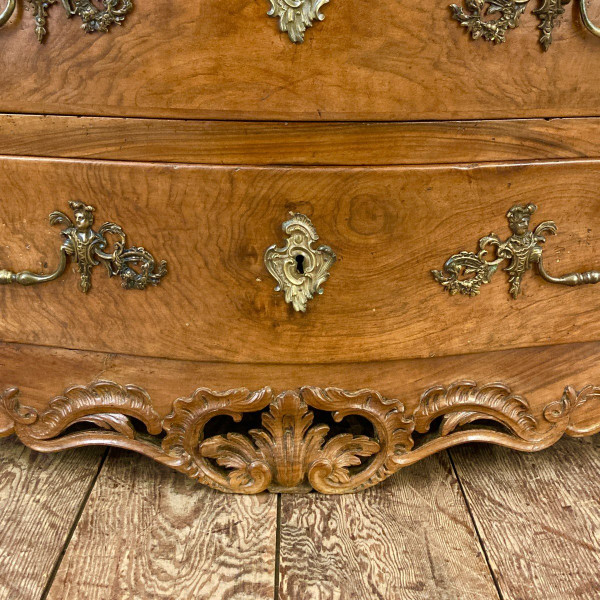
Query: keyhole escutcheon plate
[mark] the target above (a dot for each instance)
(299, 269)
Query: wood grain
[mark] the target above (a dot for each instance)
(298, 143)
(388, 226)
(411, 537)
(389, 62)
(40, 497)
(538, 516)
(539, 374)
(149, 533)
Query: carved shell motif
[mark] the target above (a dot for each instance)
(296, 16)
(330, 440)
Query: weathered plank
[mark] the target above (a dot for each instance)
(298, 143)
(148, 532)
(538, 516)
(409, 538)
(40, 497)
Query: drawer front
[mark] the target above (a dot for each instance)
(215, 59)
(389, 227)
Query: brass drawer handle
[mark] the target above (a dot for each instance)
(93, 18)
(8, 11)
(466, 272)
(299, 269)
(89, 248)
(586, 19)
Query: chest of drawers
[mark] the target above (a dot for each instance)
(270, 261)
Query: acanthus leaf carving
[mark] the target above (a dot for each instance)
(292, 450)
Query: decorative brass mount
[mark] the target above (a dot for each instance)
(331, 440)
(89, 248)
(93, 18)
(300, 269)
(466, 272)
(296, 16)
(494, 30)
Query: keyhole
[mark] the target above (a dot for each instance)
(300, 263)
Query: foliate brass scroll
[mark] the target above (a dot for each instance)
(330, 440)
(90, 248)
(299, 269)
(478, 23)
(93, 18)
(296, 16)
(466, 272)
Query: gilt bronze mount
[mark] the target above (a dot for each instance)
(476, 18)
(296, 16)
(299, 269)
(93, 18)
(90, 248)
(466, 272)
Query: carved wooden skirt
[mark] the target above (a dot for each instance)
(253, 347)
(299, 250)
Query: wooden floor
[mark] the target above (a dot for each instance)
(479, 522)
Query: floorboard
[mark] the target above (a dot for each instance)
(149, 533)
(40, 498)
(411, 537)
(538, 516)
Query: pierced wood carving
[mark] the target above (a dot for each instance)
(330, 440)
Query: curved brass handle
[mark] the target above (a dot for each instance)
(8, 11)
(586, 19)
(89, 248)
(468, 271)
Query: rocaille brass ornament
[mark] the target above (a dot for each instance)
(90, 248)
(296, 16)
(299, 269)
(466, 272)
(479, 25)
(93, 18)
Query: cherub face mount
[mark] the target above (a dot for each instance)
(90, 248)
(466, 272)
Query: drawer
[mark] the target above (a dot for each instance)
(392, 61)
(389, 227)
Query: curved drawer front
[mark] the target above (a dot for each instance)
(388, 227)
(215, 59)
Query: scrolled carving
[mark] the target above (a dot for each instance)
(294, 449)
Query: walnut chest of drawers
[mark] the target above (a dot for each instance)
(298, 250)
